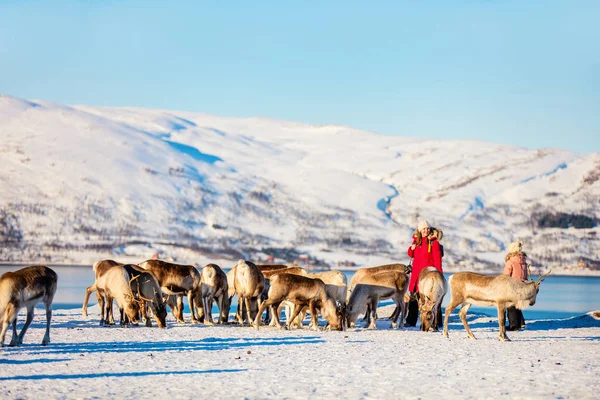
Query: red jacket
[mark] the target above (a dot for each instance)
(427, 254)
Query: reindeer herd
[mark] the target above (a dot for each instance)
(152, 286)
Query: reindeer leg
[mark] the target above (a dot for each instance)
(9, 317)
(206, 303)
(402, 312)
(437, 318)
(396, 313)
(300, 318)
(248, 310)
(101, 305)
(449, 308)
(26, 326)
(179, 309)
(276, 314)
(314, 315)
(463, 317)
(122, 316)
(501, 322)
(14, 341)
(223, 309)
(289, 323)
(190, 296)
(88, 291)
(46, 339)
(144, 310)
(262, 307)
(109, 310)
(373, 324)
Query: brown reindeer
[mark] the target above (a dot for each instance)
(432, 289)
(213, 282)
(99, 268)
(301, 291)
(249, 283)
(362, 272)
(374, 287)
(146, 290)
(468, 288)
(289, 306)
(176, 280)
(25, 288)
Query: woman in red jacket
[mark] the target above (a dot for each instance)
(426, 252)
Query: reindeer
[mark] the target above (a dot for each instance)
(302, 291)
(176, 280)
(502, 291)
(213, 282)
(374, 287)
(268, 273)
(99, 268)
(117, 286)
(249, 283)
(146, 290)
(362, 272)
(432, 289)
(25, 288)
(240, 312)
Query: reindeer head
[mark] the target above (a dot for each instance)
(160, 315)
(333, 314)
(426, 310)
(537, 283)
(132, 308)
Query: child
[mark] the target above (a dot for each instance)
(516, 267)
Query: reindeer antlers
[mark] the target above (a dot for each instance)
(541, 277)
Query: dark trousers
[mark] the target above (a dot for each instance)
(515, 318)
(413, 311)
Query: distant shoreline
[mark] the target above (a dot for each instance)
(585, 274)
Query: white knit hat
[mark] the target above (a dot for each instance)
(422, 224)
(515, 247)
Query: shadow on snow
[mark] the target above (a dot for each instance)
(207, 344)
(118, 374)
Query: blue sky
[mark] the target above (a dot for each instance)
(514, 72)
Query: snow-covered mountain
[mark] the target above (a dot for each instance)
(79, 182)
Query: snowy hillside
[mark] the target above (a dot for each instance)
(81, 182)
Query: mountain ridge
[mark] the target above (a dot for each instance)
(83, 180)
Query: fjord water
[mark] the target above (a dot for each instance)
(559, 296)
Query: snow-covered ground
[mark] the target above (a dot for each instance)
(550, 359)
(81, 183)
